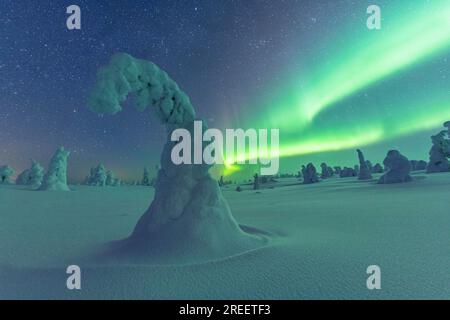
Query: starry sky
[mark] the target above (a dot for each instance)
(309, 68)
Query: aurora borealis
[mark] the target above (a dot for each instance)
(376, 61)
(309, 68)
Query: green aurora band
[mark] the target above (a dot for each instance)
(307, 115)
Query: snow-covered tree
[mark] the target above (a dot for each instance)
(337, 170)
(348, 172)
(36, 175)
(23, 178)
(112, 180)
(146, 178)
(188, 218)
(6, 172)
(418, 165)
(398, 166)
(98, 176)
(310, 174)
(377, 168)
(31, 177)
(256, 182)
(440, 151)
(56, 177)
(364, 170)
(327, 172)
(221, 182)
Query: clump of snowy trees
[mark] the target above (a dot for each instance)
(327, 172)
(347, 172)
(32, 177)
(6, 172)
(100, 177)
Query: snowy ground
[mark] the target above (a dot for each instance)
(323, 237)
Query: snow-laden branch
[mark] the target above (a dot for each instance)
(151, 86)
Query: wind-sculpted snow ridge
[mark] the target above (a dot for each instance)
(189, 220)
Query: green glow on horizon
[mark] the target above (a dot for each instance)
(373, 134)
(368, 133)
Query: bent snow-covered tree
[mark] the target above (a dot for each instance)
(56, 177)
(189, 219)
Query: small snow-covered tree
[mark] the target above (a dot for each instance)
(31, 177)
(146, 177)
(36, 175)
(189, 217)
(110, 178)
(98, 177)
(398, 166)
(56, 177)
(440, 151)
(310, 174)
(364, 170)
(23, 178)
(6, 172)
(327, 172)
(256, 182)
(377, 168)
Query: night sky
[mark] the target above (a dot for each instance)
(310, 68)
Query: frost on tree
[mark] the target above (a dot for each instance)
(56, 177)
(440, 151)
(364, 170)
(189, 219)
(31, 177)
(6, 172)
(398, 167)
